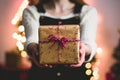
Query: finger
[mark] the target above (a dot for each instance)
(75, 65)
(45, 65)
(50, 66)
(82, 58)
(33, 58)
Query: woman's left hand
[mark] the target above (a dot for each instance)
(82, 56)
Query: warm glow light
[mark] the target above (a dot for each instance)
(19, 12)
(88, 65)
(99, 51)
(96, 76)
(92, 78)
(88, 72)
(97, 63)
(20, 45)
(100, 18)
(95, 73)
(19, 37)
(14, 35)
(21, 28)
(15, 20)
(23, 54)
(23, 39)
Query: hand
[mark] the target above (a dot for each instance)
(33, 51)
(82, 56)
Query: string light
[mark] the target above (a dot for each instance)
(20, 35)
(23, 39)
(23, 54)
(88, 72)
(92, 68)
(20, 46)
(19, 12)
(97, 63)
(15, 35)
(92, 78)
(21, 28)
(88, 65)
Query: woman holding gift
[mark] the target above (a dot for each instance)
(49, 12)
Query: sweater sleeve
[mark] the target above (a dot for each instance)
(89, 21)
(30, 21)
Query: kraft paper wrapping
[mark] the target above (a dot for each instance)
(52, 52)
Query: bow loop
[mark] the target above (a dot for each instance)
(61, 41)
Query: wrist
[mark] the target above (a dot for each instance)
(88, 50)
(31, 48)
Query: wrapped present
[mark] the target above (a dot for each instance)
(59, 44)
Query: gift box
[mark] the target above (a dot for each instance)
(59, 44)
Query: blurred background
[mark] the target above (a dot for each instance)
(106, 62)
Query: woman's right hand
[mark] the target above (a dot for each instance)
(33, 51)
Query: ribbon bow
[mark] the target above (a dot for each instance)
(61, 41)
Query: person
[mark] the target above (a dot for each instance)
(48, 12)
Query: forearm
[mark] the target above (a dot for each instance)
(31, 25)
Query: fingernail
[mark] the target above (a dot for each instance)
(50, 66)
(46, 65)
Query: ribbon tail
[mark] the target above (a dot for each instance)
(52, 44)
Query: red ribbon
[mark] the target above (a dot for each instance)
(61, 42)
